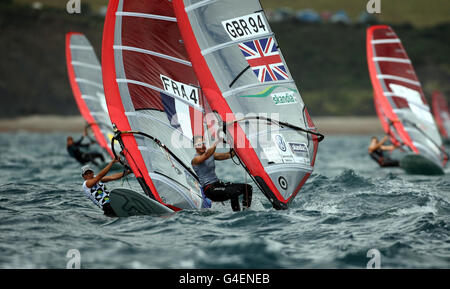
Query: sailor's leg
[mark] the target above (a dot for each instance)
(90, 158)
(95, 155)
(84, 158)
(233, 191)
(247, 196)
(230, 191)
(101, 157)
(235, 204)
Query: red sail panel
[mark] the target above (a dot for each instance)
(152, 88)
(115, 105)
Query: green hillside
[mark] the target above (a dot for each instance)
(327, 61)
(416, 12)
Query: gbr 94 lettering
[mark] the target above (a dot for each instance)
(247, 26)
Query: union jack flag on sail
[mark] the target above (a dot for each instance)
(265, 60)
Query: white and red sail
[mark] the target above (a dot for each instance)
(244, 76)
(85, 76)
(152, 89)
(399, 99)
(441, 114)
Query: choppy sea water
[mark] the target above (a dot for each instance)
(348, 207)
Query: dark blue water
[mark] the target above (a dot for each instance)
(347, 207)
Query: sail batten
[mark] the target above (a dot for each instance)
(81, 47)
(199, 5)
(398, 78)
(392, 59)
(165, 56)
(87, 65)
(384, 41)
(148, 16)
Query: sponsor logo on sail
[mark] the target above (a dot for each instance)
(284, 98)
(301, 152)
(298, 148)
(269, 91)
(280, 142)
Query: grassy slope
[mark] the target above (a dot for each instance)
(417, 12)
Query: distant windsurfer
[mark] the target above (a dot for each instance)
(95, 188)
(214, 189)
(377, 151)
(74, 150)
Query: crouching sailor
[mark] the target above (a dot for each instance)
(74, 150)
(95, 188)
(377, 151)
(215, 190)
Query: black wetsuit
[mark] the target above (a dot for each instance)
(83, 157)
(220, 192)
(378, 156)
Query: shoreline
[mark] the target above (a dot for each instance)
(328, 125)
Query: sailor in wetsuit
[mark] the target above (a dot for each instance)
(73, 148)
(95, 188)
(215, 190)
(377, 151)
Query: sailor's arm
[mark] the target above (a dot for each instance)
(209, 152)
(224, 156)
(90, 183)
(388, 148)
(116, 176)
(378, 145)
(78, 142)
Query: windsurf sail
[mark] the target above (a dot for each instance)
(399, 100)
(153, 98)
(85, 76)
(247, 84)
(441, 114)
